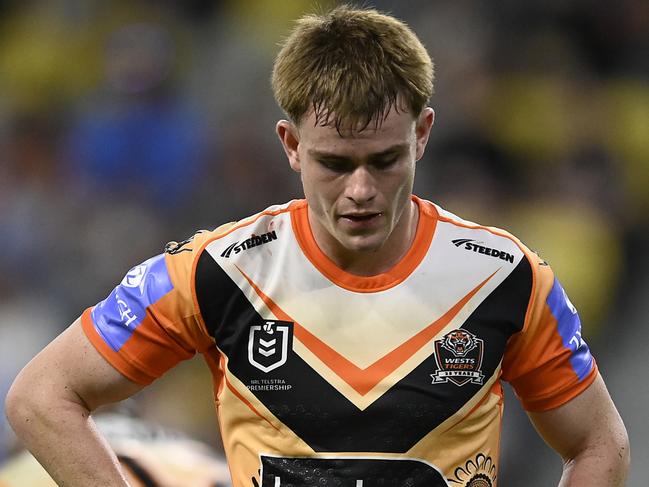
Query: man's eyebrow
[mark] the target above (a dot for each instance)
(316, 154)
(395, 149)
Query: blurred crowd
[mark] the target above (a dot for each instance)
(124, 125)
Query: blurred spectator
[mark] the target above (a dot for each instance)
(136, 136)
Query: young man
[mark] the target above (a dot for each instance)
(357, 337)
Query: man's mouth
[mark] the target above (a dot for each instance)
(361, 220)
(360, 216)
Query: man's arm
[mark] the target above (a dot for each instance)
(49, 407)
(590, 436)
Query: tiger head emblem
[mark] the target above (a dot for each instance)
(459, 342)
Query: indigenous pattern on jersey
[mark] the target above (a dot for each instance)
(330, 379)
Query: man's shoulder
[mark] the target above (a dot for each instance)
(465, 227)
(483, 239)
(253, 224)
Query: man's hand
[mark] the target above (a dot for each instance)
(49, 407)
(590, 436)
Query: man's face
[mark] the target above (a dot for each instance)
(357, 187)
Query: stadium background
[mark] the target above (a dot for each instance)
(124, 125)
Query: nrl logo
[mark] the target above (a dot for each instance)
(268, 344)
(459, 358)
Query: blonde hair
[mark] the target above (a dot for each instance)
(351, 66)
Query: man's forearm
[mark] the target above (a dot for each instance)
(63, 438)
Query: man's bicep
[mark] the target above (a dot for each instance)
(588, 420)
(71, 366)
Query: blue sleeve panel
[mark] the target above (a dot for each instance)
(569, 327)
(117, 316)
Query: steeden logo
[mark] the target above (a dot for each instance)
(475, 246)
(253, 241)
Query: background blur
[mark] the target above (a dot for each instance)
(124, 125)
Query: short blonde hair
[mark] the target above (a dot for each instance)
(351, 66)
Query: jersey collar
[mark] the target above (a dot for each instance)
(366, 284)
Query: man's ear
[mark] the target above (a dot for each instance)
(422, 130)
(290, 139)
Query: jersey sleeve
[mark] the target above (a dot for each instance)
(548, 363)
(149, 322)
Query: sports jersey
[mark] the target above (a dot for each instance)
(327, 378)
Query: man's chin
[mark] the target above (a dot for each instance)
(363, 244)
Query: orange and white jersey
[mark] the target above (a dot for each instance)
(327, 378)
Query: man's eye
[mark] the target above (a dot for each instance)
(335, 166)
(385, 163)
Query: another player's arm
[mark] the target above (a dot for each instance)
(49, 406)
(590, 436)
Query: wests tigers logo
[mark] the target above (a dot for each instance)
(459, 342)
(458, 356)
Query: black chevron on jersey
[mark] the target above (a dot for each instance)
(316, 411)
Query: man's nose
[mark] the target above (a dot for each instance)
(361, 186)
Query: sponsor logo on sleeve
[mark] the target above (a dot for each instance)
(135, 277)
(569, 328)
(458, 356)
(116, 317)
(541, 260)
(174, 247)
